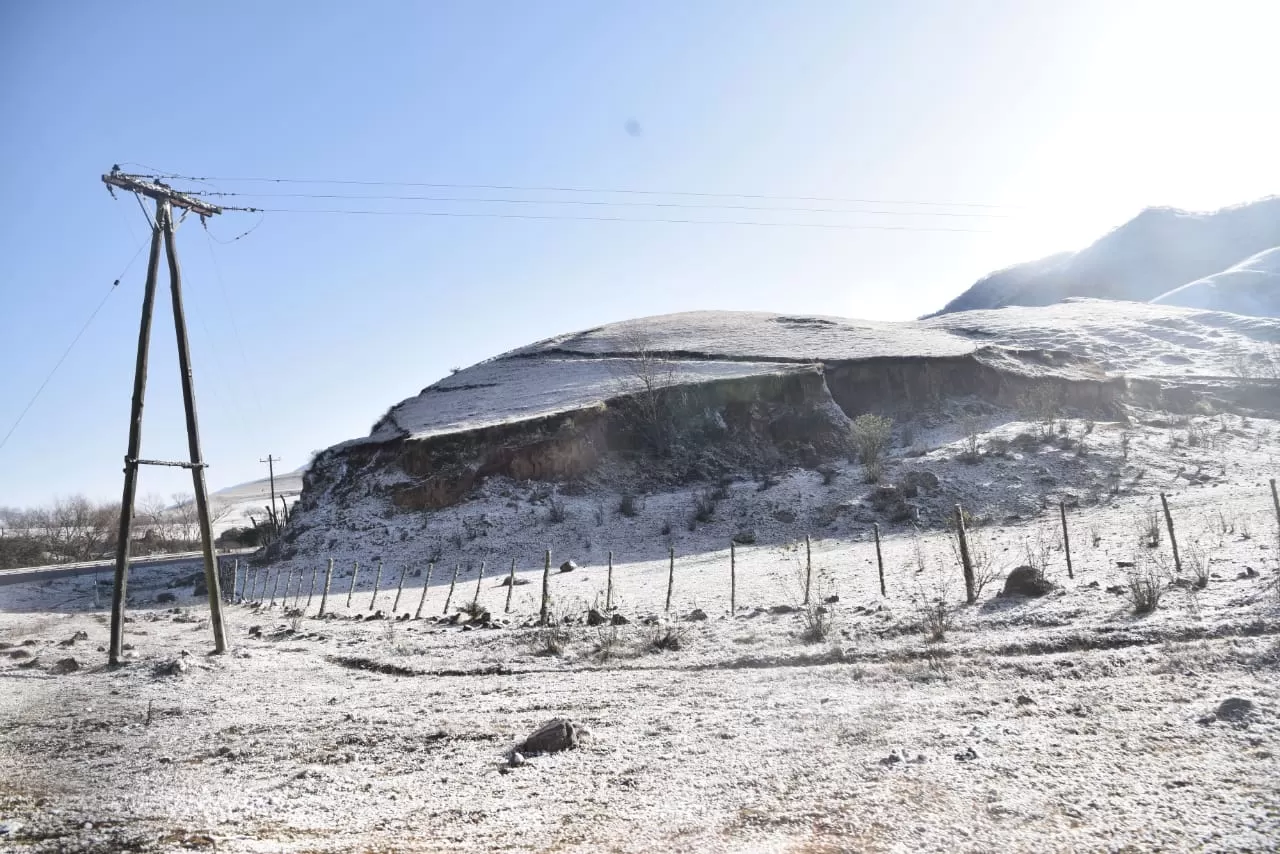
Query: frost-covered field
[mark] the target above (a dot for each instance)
(1060, 723)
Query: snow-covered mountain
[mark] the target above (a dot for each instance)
(1152, 257)
(1250, 287)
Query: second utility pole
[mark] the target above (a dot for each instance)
(271, 473)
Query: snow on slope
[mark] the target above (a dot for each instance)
(1250, 287)
(579, 370)
(1128, 338)
(1156, 251)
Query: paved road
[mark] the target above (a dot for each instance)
(44, 573)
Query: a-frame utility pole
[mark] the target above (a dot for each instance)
(166, 200)
(271, 472)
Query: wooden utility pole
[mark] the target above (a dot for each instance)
(271, 474)
(166, 200)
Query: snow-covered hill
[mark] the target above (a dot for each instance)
(1250, 287)
(580, 370)
(1151, 256)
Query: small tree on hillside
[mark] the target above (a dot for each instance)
(871, 435)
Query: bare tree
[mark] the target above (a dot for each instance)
(644, 378)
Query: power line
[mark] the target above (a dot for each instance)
(603, 203)
(489, 215)
(30, 403)
(591, 190)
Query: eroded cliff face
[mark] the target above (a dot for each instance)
(800, 416)
(659, 402)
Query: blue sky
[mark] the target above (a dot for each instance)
(1069, 117)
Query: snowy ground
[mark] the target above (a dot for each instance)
(1060, 723)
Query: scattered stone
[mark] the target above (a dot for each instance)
(1092, 585)
(165, 597)
(967, 755)
(1125, 564)
(783, 609)
(1027, 581)
(618, 620)
(832, 599)
(696, 615)
(894, 757)
(1116, 588)
(516, 759)
(1235, 709)
(376, 615)
(595, 618)
(71, 641)
(1024, 700)
(568, 566)
(745, 538)
(507, 582)
(177, 667)
(553, 736)
(1249, 572)
(255, 631)
(920, 480)
(785, 516)
(19, 653)
(63, 666)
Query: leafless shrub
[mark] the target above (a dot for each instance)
(1042, 404)
(985, 569)
(609, 644)
(871, 435)
(1194, 558)
(703, 510)
(550, 640)
(556, 511)
(829, 474)
(1149, 529)
(932, 602)
(628, 505)
(1145, 584)
(667, 638)
(971, 449)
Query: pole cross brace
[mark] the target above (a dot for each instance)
(166, 463)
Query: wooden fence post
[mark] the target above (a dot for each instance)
(879, 558)
(808, 568)
(417, 615)
(511, 585)
(324, 595)
(355, 573)
(733, 579)
(1275, 499)
(546, 589)
(395, 606)
(253, 583)
(608, 590)
(671, 575)
(1173, 539)
(297, 593)
(479, 577)
(452, 582)
(970, 596)
(315, 570)
(274, 587)
(235, 577)
(377, 580)
(1066, 538)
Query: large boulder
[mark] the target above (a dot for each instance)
(553, 736)
(1027, 581)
